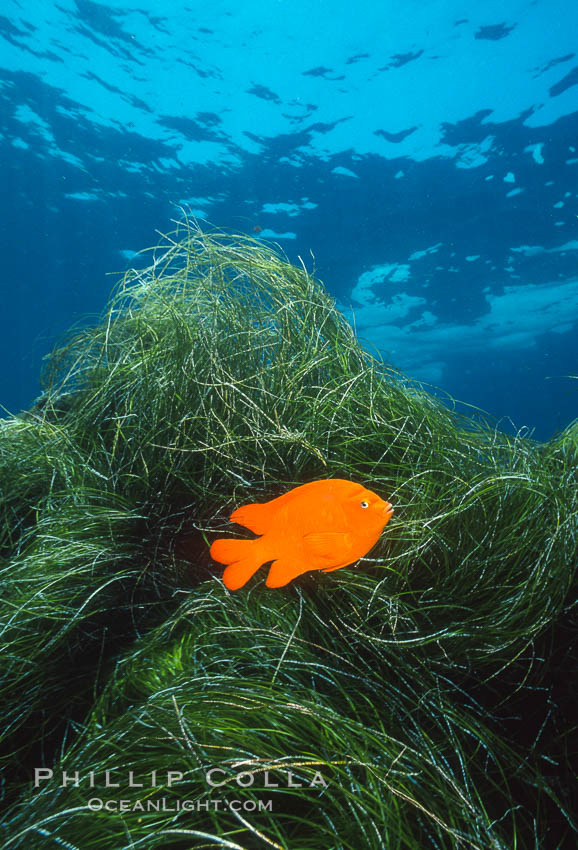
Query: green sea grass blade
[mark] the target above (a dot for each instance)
(222, 374)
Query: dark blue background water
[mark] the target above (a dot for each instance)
(427, 156)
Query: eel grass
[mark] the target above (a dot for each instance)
(423, 684)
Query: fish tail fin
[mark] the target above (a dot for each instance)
(227, 550)
(238, 574)
(242, 557)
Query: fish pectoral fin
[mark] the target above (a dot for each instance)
(329, 546)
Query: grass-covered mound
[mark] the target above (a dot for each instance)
(256, 684)
(220, 375)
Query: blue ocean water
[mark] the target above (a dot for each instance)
(425, 152)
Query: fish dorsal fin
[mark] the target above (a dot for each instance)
(330, 546)
(255, 517)
(258, 517)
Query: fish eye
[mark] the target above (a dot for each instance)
(364, 504)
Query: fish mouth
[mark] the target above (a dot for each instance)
(387, 509)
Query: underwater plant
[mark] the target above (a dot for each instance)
(222, 374)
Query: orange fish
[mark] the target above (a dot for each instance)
(324, 525)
